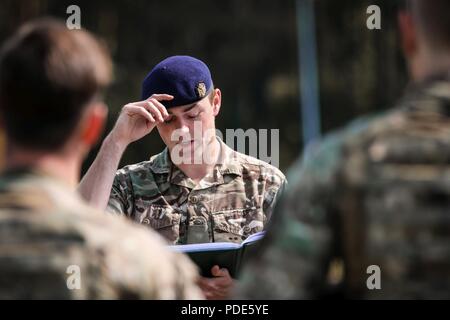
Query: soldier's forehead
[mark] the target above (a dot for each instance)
(182, 109)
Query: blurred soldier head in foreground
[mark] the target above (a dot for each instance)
(50, 90)
(366, 215)
(52, 245)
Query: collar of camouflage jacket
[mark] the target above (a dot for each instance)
(227, 164)
(430, 95)
(25, 173)
(29, 187)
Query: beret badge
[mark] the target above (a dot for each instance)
(201, 89)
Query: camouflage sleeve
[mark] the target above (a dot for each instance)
(121, 197)
(277, 185)
(298, 247)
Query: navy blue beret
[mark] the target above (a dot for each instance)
(186, 78)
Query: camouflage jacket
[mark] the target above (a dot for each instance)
(228, 205)
(366, 215)
(53, 246)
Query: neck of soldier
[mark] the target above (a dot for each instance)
(62, 165)
(198, 171)
(428, 64)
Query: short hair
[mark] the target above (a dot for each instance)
(432, 18)
(48, 75)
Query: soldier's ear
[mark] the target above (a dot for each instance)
(408, 33)
(94, 123)
(217, 101)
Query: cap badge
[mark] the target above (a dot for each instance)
(201, 89)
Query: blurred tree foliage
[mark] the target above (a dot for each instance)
(251, 49)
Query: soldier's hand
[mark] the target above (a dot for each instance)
(138, 119)
(219, 287)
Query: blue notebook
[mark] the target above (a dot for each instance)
(224, 254)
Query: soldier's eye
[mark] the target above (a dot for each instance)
(168, 120)
(195, 116)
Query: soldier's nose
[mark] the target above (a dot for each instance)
(184, 134)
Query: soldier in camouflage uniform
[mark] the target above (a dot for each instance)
(366, 215)
(227, 199)
(52, 244)
(228, 205)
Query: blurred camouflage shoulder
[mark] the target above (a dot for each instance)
(290, 263)
(373, 193)
(47, 234)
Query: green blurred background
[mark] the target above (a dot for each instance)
(251, 48)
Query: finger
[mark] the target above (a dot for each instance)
(212, 293)
(160, 107)
(161, 97)
(201, 281)
(215, 270)
(224, 281)
(209, 295)
(220, 285)
(215, 294)
(205, 286)
(220, 272)
(204, 281)
(158, 97)
(223, 284)
(210, 281)
(136, 110)
(154, 110)
(221, 294)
